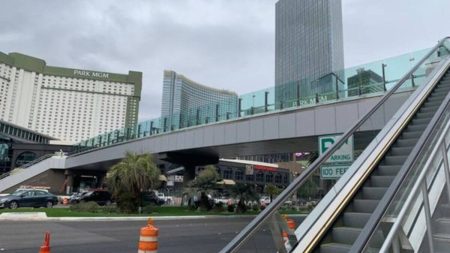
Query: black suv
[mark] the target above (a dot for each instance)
(150, 197)
(101, 197)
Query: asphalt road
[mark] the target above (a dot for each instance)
(192, 235)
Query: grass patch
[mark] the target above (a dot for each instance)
(149, 211)
(155, 211)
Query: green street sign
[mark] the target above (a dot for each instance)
(343, 154)
(333, 171)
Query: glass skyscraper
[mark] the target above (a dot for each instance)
(186, 103)
(309, 51)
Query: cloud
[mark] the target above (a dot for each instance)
(227, 44)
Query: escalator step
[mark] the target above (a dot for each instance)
(439, 95)
(433, 103)
(413, 127)
(364, 205)
(437, 98)
(334, 248)
(395, 160)
(370, 192)
(388, 170)
(442, 226)
(356, 220)
(412, 135)
(381, 181)
(441, 89)
(430, 109)
(420, 121)
(345, 235)
(424, 115)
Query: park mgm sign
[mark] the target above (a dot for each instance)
(86, 73)
(339, 161)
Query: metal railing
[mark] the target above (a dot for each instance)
(419, 167)
(268, 212)
(413, 159)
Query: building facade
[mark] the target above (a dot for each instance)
(68, 104)
(309, 50)
(187, 103)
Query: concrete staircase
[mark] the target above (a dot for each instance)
(21, 175)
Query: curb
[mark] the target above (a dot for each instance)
(42, 216)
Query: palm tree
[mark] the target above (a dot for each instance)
(272, 190)
(130, 177)
(206, 180)
(243, 192)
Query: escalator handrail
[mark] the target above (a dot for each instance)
(261, 218)
(411, 161)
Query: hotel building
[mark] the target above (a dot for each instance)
(68, 104)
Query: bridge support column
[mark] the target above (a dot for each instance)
(189, 174)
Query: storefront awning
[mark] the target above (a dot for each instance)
(226, 182)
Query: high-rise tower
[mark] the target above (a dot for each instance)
(308, 43)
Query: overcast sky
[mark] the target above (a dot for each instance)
(228, 44)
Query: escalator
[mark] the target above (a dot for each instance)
(342, 234)
(387, 200)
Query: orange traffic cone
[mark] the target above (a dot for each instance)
(45, 248)
(291, 224)
(148, 240)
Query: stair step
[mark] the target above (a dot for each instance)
(395, 160)
(364, 205)
(356, 220)
(387, 170)
(334, 248)
(381, 181)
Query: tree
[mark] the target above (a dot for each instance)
(272, 190)
(130, 177)
(207, 179)
(243, 192)
(308, 190)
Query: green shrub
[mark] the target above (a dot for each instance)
(255, 207)
(230, 208)
(90, 206)
(109, 209)
(218, 207)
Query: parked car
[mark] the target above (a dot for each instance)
(75, 197)
(264, 200)
(101, 197)
(151, 197)
(166, 199)
(28, 198)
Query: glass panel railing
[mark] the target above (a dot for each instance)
(339, 159)
(365, 80)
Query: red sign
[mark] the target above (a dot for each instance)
(265, 168)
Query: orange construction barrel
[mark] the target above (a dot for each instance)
(148, 239)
